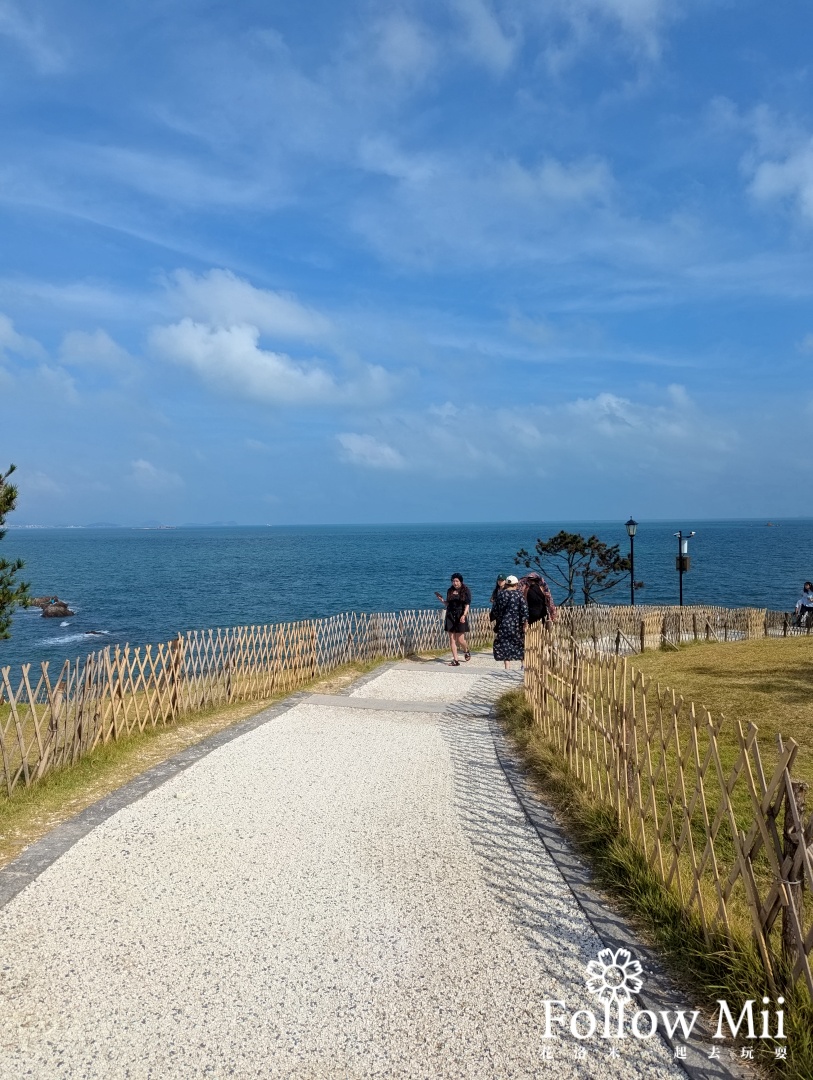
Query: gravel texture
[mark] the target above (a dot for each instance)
(340, 893)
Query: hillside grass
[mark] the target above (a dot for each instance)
(767, 681)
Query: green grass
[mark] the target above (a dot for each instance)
(709, 971)
(768, 681)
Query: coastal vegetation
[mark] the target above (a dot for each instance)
(765, 681)
(12, 591)
(577, 564)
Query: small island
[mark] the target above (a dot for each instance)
(52, 607)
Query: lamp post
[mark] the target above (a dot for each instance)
(683, 562)
(632, 528)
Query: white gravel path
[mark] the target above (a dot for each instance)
(341, 893)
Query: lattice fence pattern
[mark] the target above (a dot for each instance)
(626, 629)
(48, 722)
(719, 817)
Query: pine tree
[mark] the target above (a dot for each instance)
(12, 592)
(576, 563)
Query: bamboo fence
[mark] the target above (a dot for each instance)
(719, 818)
(47, 723)
(693, 793)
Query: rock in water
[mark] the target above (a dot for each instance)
(57, 610)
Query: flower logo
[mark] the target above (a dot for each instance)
(614, 976)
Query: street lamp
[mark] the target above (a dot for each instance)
(632, 528)
(683, 562)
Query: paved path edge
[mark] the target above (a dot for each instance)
(39, 855)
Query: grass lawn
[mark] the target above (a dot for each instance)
(768, 681)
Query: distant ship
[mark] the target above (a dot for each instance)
(772, 525)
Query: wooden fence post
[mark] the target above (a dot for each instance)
(791, 843)
(643, 634)
(694, 625)
(176, 650)
(785, 625)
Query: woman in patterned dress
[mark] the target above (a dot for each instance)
(511, 613)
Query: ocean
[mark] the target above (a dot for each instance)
(145, 585)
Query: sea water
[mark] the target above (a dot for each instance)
(146, 585)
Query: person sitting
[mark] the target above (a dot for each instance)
(804, 606)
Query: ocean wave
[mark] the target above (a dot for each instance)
(64, 639)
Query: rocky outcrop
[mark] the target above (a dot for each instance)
(54, 608)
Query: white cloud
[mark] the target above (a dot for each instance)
(93, 350)
(13, 342)
(791, 178)
(230, 358)
(28, 31)
(779, 161)
(57, 383)
(446, 209)
(149, 477)
(485, 39)
(403, 47)
(36, 482)
(97, 301)
(193, 181)
(369, 452)
(636, 26)
(587, 436)
(220, 298)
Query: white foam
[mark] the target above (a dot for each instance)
(65, 638)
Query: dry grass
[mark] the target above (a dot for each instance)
(32, 812)
(767, 681)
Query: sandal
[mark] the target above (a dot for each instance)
(452, 663)
(467, 655)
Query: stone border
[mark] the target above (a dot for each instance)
(37, 857)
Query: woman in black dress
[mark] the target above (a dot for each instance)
(457, 604)
(536, 600)
(511, 613)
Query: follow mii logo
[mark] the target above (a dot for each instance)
(615, 978)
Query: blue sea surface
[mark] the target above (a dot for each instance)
(141, 585)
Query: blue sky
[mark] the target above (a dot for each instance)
(406, 261)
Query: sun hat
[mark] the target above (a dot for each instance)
(511, 580)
